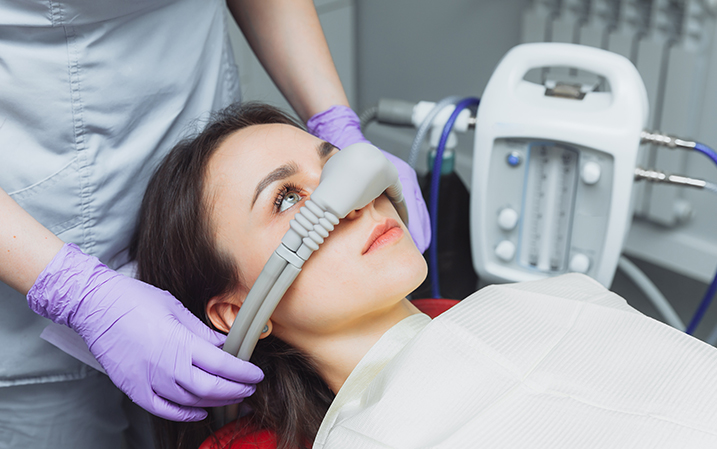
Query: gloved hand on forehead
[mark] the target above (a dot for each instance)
(163, 357)
(341, 126)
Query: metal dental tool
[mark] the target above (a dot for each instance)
(350, 180)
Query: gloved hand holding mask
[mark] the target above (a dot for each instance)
(157, 352)
(341, 126)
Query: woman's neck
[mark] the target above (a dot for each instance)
(337, 356)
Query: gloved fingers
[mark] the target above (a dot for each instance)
(209, 391)
(215, 361)
(419, 222)
(214, 392)
(168, 410)
(338, 125)
(193, 386)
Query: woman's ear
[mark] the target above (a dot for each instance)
(222, 312)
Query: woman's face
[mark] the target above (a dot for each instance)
(257, 181)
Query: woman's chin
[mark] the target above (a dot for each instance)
(410, 275)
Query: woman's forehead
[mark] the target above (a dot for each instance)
(277, 139)
(258, 148)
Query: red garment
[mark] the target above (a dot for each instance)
(229, 437)
(434, 306)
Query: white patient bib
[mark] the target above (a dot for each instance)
(557, 363)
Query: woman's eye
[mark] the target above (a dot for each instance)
(289, 200)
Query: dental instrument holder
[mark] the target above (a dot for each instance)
(553, 167)
(350, 180)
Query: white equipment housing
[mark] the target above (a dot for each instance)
(553, 166)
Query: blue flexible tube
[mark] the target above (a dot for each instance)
(433, 201)
(707, 151)
(710, 293)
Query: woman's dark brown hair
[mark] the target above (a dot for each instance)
(175, 250)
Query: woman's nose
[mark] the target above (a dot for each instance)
(356, 213)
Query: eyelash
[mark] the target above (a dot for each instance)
(283, 192)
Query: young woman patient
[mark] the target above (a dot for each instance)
(213, 213)
(555, 363)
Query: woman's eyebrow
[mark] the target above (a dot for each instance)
(324, 149)
(277, 174)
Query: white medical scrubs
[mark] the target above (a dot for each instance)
(92, 94)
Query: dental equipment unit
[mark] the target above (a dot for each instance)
(554, 163)
(553, 166)
(350, 180)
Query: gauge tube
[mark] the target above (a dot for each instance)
(551, 184)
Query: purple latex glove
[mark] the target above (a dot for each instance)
(341, 126)
(163, 357)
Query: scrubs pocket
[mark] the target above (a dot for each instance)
(54, 201)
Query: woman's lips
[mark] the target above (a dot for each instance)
(383, 234)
